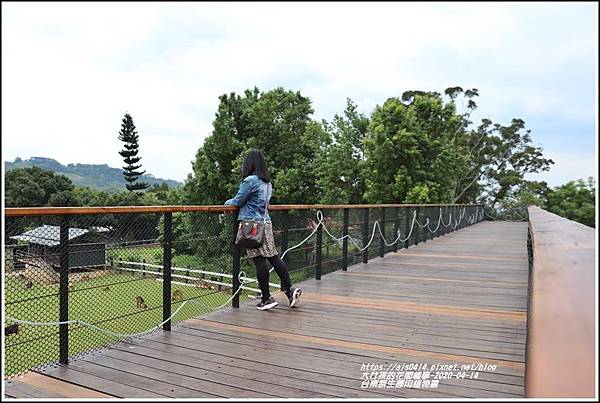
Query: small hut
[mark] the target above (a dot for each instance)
(87, 247)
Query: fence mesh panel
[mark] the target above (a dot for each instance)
(116, 270)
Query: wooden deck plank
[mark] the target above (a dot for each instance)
(300, 349)
(126, 375)
(376, 334)
(271, 366)
(283, 350)
(340, 370)
(172, 380)
(71, 373)
(40, 385)
(460, 298)
(23, 390)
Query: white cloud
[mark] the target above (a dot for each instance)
(70, 71)
(568, 167)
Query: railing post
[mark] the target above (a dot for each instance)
(345, 241)
(431, 222)
(63, 316)
(396, 227)
(454, 217)
(168, 239)
(319, 247)
(425, 221)
(438, 211)
(434, 214)
(417, 227)
(235, 269)
(382, 235)
(407, 224)
(469, 209)
(284, 239)
(365, 231)
(438, 215)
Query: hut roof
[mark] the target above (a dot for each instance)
(49, 235)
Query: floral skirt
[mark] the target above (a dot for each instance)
(268, 248)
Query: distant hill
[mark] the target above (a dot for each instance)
(101, 177)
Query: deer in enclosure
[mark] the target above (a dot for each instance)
(177, 295)
(202, 284)
(11, 329)
(139, 301)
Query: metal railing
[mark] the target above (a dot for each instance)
(79, 279)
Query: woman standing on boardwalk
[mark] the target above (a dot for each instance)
(253, 197)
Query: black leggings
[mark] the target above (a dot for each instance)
(262, 274)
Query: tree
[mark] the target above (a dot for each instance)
(128, 135)
(37, 187)
(341, 161)
(410, 152)
(497, 157)
(279, 123)
(514, 204)
(164, 193)
(575, 200)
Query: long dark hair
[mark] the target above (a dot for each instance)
(254, 163)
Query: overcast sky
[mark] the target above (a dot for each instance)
(70, 71)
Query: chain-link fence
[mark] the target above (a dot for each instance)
(85, 279)
(507, 213)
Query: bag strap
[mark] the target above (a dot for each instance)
(266, 205)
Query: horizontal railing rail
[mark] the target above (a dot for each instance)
(561, 338)
(37, 211)
(81, 278)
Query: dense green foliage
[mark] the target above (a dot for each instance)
(341, 162)
(36, 187)
(31, 187)
(575, 200)
(279, 123)
(415, 148)
(95, 176)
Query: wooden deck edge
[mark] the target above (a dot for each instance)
(63, 388)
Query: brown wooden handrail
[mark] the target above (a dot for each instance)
(562, 311)
(39, 211)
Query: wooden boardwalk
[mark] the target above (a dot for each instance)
(459, 299)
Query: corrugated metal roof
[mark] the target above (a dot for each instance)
(48, 235)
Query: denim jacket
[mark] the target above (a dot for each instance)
(251, 198)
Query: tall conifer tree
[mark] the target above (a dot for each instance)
(129, 136)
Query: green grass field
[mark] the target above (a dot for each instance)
(113, 309)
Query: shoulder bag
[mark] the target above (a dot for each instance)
(251, 233)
